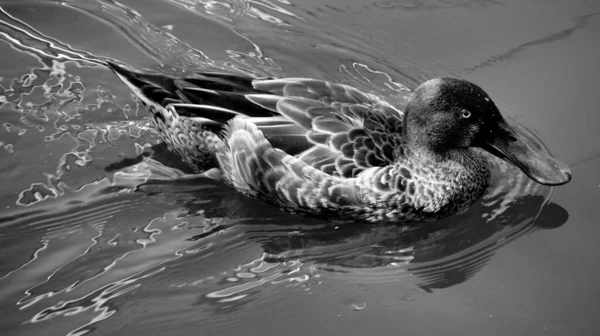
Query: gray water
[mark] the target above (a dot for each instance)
(100, 235)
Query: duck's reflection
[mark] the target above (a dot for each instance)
(440, 254)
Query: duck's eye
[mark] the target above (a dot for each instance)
(465, 114)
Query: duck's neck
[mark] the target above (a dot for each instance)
(450, 181)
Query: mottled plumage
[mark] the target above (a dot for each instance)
(330, 150)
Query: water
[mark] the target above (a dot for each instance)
(100, 235)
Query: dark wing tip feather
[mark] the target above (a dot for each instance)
(124, 73)
(116, 68)
(155, 87)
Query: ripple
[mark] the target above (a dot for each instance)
(426, 5)
(25, 38)
(89, 254)
(230, 10)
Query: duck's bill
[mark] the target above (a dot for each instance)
(517, 146)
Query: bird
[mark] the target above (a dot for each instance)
(328, 150)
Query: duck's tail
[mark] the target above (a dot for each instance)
(211, 99)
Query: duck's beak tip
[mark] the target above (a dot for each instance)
(517, 146)
(564, 176)
(567, 176)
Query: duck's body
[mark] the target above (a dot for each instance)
(325, 149)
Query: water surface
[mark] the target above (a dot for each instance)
(99, 233)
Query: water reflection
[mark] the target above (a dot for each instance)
(440, 254)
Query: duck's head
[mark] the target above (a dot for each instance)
(446, 114)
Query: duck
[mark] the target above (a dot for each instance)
(328, 150)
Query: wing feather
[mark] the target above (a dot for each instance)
(297, 110)
(330, 125)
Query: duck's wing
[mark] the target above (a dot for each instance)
(333, 127)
